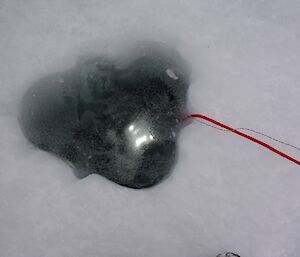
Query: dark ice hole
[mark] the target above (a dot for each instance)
(119, 122)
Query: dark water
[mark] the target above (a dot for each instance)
(115, 117)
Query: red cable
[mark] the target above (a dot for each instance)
(245, 135)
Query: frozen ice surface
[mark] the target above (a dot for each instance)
(225, 194)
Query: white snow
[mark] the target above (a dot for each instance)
(171, 74)
(225, 193)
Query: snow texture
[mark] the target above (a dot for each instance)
(225, 193)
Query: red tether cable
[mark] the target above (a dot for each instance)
(200, 116)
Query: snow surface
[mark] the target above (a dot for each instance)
(225, 193)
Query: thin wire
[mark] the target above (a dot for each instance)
(200, 116)
(254, 131)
